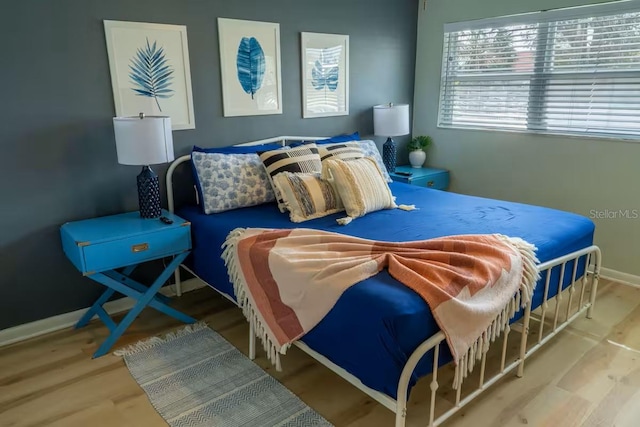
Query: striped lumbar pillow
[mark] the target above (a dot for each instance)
(360, 184)
(342, 150)
(302, 159)
(307, 196)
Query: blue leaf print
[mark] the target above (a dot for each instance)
(324, 75)
(251, 65)
(150, 72)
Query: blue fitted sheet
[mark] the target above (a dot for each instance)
(376, 324)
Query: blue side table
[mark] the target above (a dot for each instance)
(438, 179)
(99, 246)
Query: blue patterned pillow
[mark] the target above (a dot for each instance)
(231, 181)
(370, 149)
(233, 149)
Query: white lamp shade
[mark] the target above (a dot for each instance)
(391, 120)
(143, 141)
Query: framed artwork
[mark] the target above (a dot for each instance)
(325, 75)
(250, 67)
(150, 71)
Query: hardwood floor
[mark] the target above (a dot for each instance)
(587, 376)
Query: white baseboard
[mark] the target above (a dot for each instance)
(620, 277)
(61, 321)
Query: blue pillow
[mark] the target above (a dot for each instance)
(248, 149)
(338, 138)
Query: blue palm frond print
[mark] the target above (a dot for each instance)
(150, 72)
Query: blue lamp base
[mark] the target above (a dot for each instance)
(149, 194)
(389, 155)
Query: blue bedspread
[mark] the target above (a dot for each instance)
(377, 323)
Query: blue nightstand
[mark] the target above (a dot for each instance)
(99, 246)
(437, 179)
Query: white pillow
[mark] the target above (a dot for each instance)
(360, 184)
(370, 149)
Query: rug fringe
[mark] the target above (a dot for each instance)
(149, 343)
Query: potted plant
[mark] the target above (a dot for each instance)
(417, 145)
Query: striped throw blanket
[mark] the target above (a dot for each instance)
(287, 280)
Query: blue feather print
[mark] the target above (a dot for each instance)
(251, 65)
(150, 73)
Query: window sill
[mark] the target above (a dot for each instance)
(545, 133)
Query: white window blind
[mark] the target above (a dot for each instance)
(569, 71)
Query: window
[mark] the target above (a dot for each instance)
(569, 71)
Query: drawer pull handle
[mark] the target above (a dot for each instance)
(140, 247)
(430, 184)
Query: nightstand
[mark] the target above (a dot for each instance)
(437, 179)
(108, 249)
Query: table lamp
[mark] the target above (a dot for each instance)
(390, 120)
(145, 140)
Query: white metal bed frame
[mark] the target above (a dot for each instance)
(550, 320)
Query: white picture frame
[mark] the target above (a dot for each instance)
(325, 74)
(250, 67)
(169, 92)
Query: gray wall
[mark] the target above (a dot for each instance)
(56, 136)
(573, 174)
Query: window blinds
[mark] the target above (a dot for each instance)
(570, 71)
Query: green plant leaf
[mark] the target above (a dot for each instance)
(421, 142)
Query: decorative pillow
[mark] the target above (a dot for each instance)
(238, 149)
(334, 139)
(234, 149)
(360, 184)
(344, 151)
(302, 159)
(340, 138)
(370, 149)
(231, 181)
(307, 196)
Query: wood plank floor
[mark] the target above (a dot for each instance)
(587, 376)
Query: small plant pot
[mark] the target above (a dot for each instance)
(417, 158)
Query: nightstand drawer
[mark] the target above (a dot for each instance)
(437, 181)
(105, 243)
(134, 250)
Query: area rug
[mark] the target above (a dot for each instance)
(194, 377)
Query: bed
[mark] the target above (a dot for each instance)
(393, 340)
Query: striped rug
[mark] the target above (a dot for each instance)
(194, 377)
